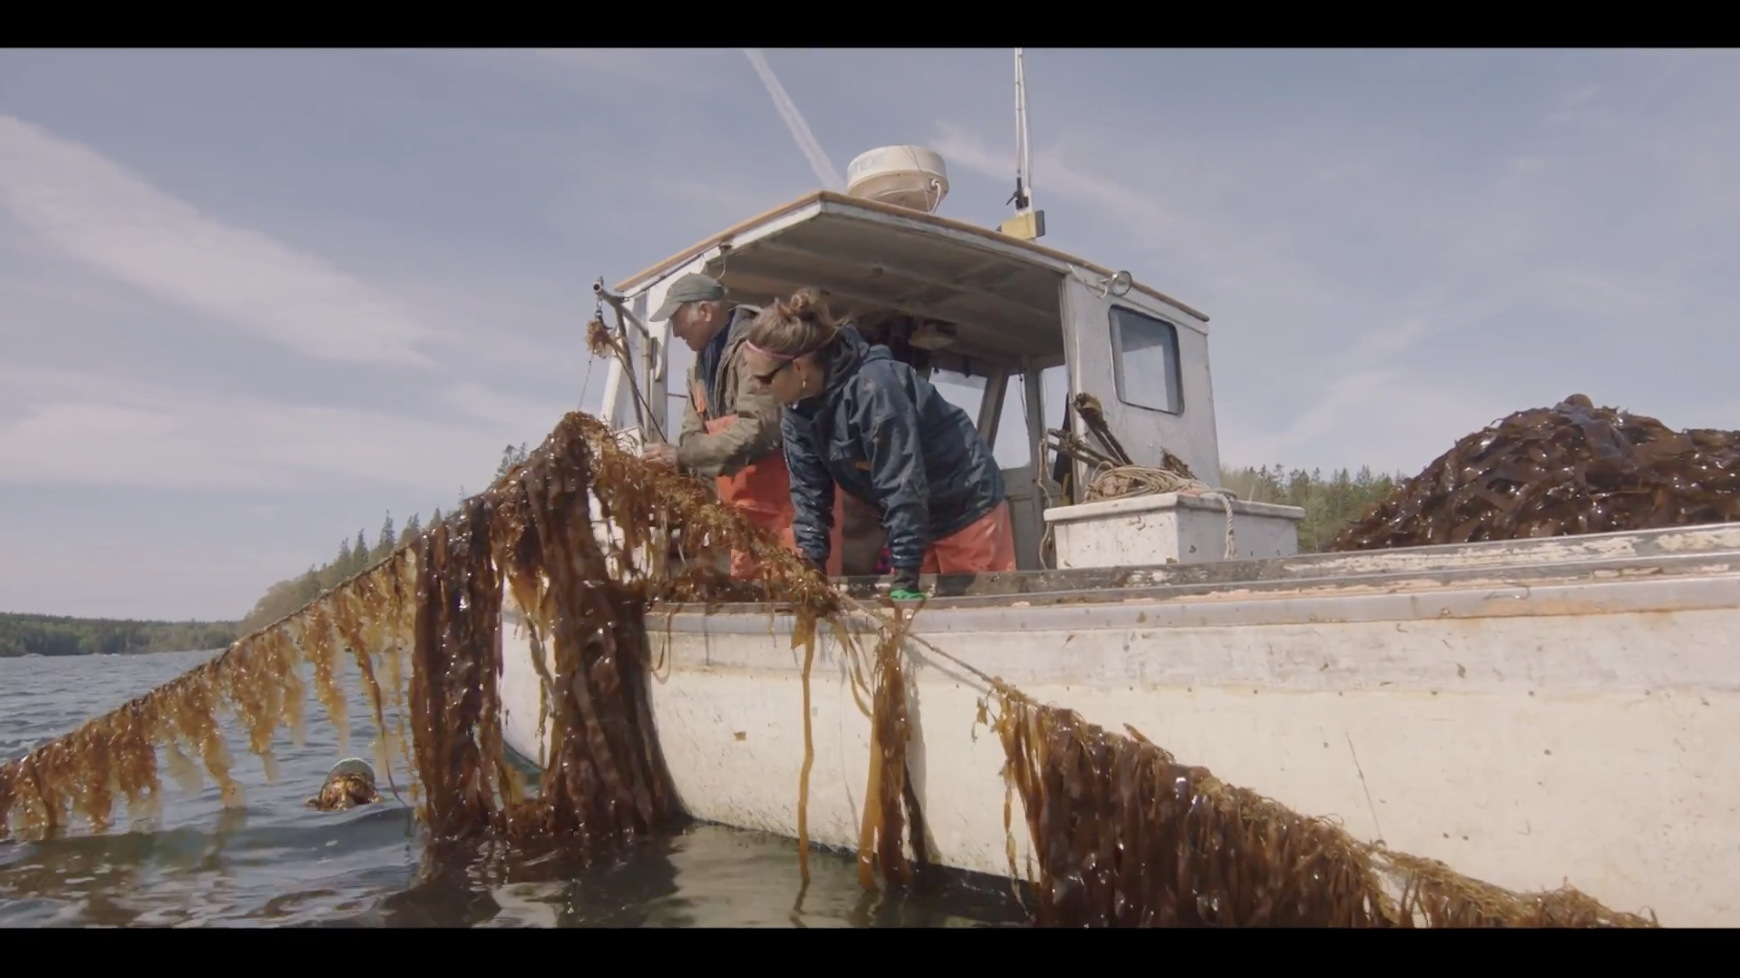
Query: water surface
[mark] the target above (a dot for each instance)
(276, 862)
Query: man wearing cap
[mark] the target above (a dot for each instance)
(730, 429)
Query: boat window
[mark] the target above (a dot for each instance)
(963, 391)
(1014, 446)
(1145, 361)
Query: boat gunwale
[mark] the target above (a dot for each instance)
(1405, 586)
(1532, 558)
(823, 199)
(1682, 581)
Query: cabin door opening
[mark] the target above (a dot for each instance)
(1012, 423)
(1002, 400)
(1055, 478)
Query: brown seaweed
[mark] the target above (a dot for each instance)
(439, 599)
(1565, 470)
(889, 800)
(1125, 835)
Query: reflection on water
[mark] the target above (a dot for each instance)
(277, 863)
(708, 876)
(194, 873)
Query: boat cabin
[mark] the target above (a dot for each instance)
(1008, 330)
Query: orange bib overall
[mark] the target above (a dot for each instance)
(762, 492)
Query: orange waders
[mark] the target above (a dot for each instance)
(762, 492)
(987, 545)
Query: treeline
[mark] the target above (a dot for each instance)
(1330, 503)
(354, 556)
(49, 635)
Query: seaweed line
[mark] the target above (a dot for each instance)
(1122, 833)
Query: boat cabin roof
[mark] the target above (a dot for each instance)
(1001, 294)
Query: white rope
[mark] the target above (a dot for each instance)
(1141, 480)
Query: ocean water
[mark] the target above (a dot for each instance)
(275, 862)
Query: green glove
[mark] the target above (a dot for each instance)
(904, 587)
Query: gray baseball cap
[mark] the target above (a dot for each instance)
(693, 287)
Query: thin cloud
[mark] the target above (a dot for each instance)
(1161, 228)
(92, 209)
(92, 429)
(794, 121)
(1395, 252)
(1157, 225)
(1594, 294)
(1438, 268)
(657, 67)
(508, 411)
(175, 583)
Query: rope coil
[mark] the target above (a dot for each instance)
(1130, 481)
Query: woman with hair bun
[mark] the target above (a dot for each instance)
(858, 420)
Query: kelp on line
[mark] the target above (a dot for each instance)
(1125, 835)
(438, 601)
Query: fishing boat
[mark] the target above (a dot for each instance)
(1533, 712)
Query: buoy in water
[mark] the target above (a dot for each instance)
(350, 783)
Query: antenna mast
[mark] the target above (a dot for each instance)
(1023, 199)
(1027, 223)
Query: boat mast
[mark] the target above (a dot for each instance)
(1027, 223)
(1023, 199)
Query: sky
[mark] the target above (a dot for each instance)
(252, 301)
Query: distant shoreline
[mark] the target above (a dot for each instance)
(64, 635)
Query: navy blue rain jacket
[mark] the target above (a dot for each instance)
(883, 434)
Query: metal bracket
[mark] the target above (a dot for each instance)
(656, 369)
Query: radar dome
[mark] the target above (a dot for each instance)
(905, 176)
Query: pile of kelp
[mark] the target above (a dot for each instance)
(1569, 469)
(1123, 833)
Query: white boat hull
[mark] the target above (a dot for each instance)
(1532, 714)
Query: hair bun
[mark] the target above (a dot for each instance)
(796, 325)
(805, 302)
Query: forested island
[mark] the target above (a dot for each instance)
(1330, 502)
(52, 635)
